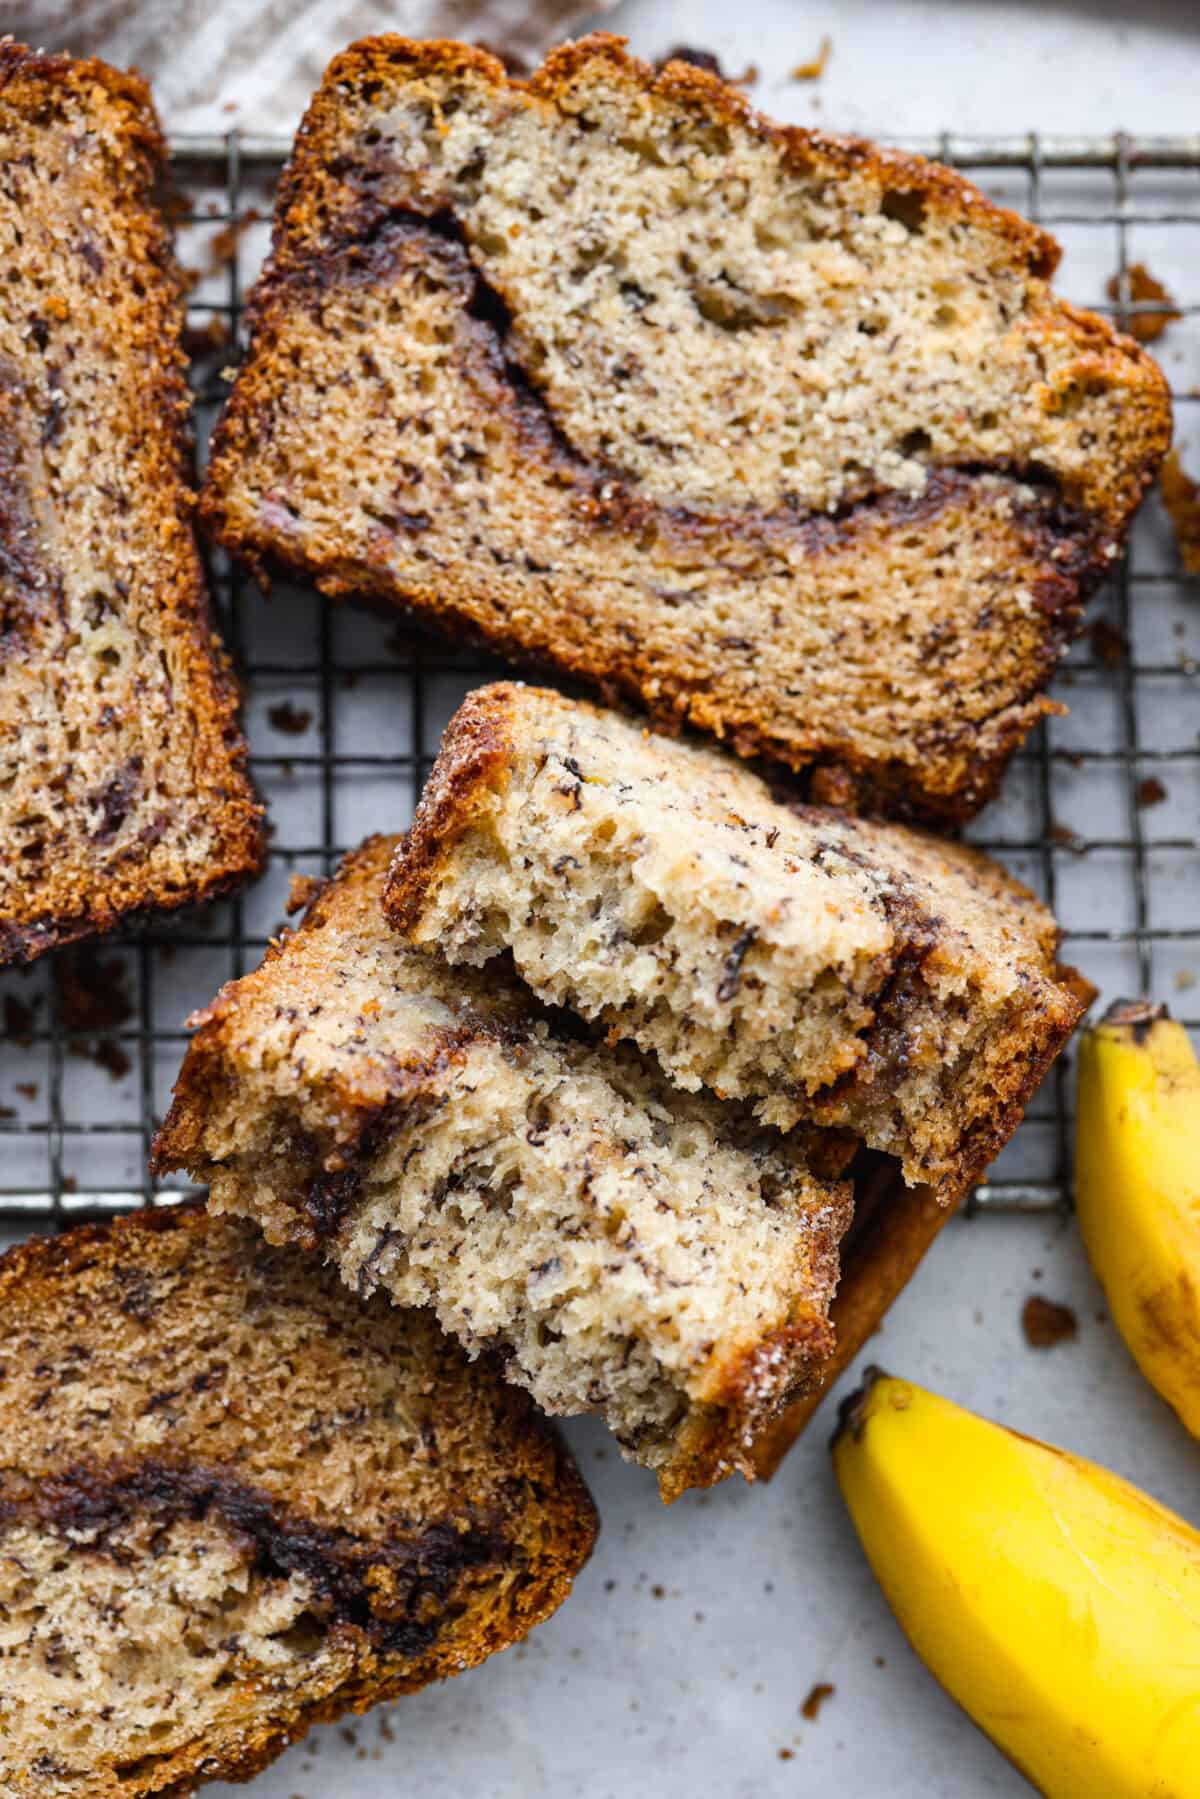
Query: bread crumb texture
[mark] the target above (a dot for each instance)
(235, 1501)
(122, 769)
(768, 430)
(628, 1249)
(823, 968)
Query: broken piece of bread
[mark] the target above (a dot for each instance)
(769, 431)
(824, 968)
(235, 1500)
(650, 1255)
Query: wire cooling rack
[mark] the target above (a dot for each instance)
(344, 709)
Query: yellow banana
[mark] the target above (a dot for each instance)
(1137, 1191)
(1056, 1603)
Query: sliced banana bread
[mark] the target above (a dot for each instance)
(122, 768)
(235, 1500)
(826, 968)
(767, 430)
(628, 1249)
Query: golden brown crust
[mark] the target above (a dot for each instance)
(894, 1227)
(330, 235)
(327, 1114)
(515, 1574)
(474, 767)
(68, 897)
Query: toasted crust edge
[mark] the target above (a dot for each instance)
(376, 57)
(186, 610)
(565, 1503)
(899, 786)
(473, 767)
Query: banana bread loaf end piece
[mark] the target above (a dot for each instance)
(825, 968)
(123, 768)
(235, 1500)
(770, 431)
(628, 1249)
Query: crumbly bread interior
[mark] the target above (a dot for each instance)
(823, 968)
(235, 1500)
(122, 770)
(627, 1248)
(775, 431)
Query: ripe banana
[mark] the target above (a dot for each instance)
(1056, 1603)
(1137, 1191)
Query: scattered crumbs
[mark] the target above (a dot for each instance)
(710, 62)
(1101, 1317)
(610, 1586)
(295, 720)
(600, 1455)
(785, 1755)
(818, 1693)
(659, 1592)
(302, 891)
(1110, 646)
(1065, 835)
(815, 67)
(768, 1586)
(348, 1735)
(1151, 791)
(18, 1021)
(881, 1661)
(385, 1728)
(1035, 1274)
(93, 997)
(201, 339)
(225, 241)
(28, 1090)
(1045, 1323)
(697, 1617)
(8, 1111)
(107, 1054)
(93, 994)
(515, 65)
(1185, 978)
(1139, 288)
(1181, 497)
(70, 1184)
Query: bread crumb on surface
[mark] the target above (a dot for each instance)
(1046, 1323)
(1139, 287)
(1151, 791)
(291, 719)
(1181, 497)
(815, 67)
(1110, 645)
(818, 1693)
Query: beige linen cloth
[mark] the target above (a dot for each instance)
(254, 63)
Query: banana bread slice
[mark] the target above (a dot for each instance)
(827, 968)
(235, 1501)
(629, 1249)
(122, 768)
(771, 431)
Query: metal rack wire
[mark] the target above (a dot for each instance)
(344, 709)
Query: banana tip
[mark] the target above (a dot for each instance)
(852, 1412)
(1137, 1016)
